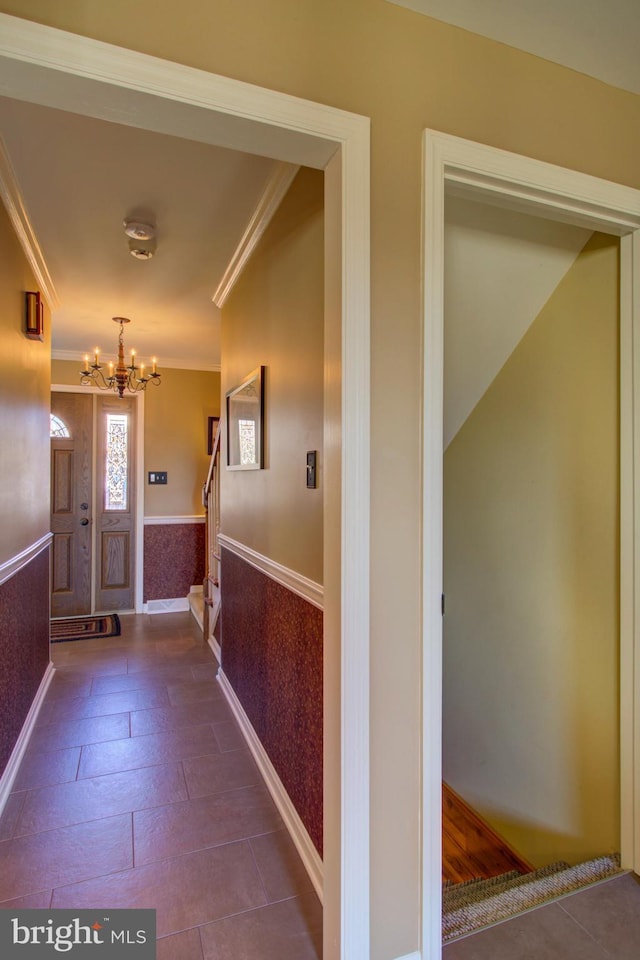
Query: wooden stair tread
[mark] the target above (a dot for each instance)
(471, 848)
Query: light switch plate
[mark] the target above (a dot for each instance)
(157, 476)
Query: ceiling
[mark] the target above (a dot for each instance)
(501, 267)
(600, 38)
(78, 178)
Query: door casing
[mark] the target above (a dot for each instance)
(45, 65)
(466, 168)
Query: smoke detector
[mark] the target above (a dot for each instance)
(140, 253)
(139, 230)
(142, 238)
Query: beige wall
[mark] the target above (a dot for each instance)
(175, 435)
(24, 406)
(531, 580)
(406, 72)
(274, 317)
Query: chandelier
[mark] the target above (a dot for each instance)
(130, 378)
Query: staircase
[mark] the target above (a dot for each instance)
(485, 880)
(470, 906)
(211, 582)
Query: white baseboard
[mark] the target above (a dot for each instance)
(297, 830)
(175, 605)
(215, 647)
(411, 956)
(11, 769)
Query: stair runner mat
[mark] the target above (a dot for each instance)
(490, 901)
(472, 891)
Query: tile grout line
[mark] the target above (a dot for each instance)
(586, 930)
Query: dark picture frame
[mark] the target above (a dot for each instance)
(34, 315)
(212, 426)
(245, 423)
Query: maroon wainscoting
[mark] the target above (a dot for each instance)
(24, 646)
(173, 559)
(272, 657)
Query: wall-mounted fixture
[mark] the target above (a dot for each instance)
(34, 316)
(312, 475)
(130, 378)
(142, 238)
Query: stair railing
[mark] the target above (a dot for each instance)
(211, 503)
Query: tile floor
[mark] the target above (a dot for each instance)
(601, 922)
(137, 790)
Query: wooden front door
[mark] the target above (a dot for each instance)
(115, 504)
(71, 504)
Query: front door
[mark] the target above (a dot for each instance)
(71, 503)
(92, 504)
(115, 504)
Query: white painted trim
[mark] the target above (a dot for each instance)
(36, 64)
(140, 487)
(17, 211)
(295, 582)
(164, 521)
(168, 362)
(411, 956)
(491, 175)
(10, 567)
(13, 764)
(173, 605)
(629, 550)
(75, 388)
(215, 648)
(272, 196)
(296, 828)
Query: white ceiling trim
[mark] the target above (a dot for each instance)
(16, 209)
(168, 362)
(269, 202)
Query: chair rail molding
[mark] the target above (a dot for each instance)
(14, 564)
(302, 586)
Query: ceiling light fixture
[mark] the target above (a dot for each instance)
(142, 238)
(130, 378)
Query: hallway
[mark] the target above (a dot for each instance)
(137, 790)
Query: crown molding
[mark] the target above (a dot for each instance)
(272, 196)
(169, 363)
(17, 211)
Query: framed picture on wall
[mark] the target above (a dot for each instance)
(34, 316)
(245, 423)
(212, 426)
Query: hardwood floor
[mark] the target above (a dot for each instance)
(470, 847)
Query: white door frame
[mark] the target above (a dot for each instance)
(495, 176)
(55, 68)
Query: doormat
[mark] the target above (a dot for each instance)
(85, 628)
